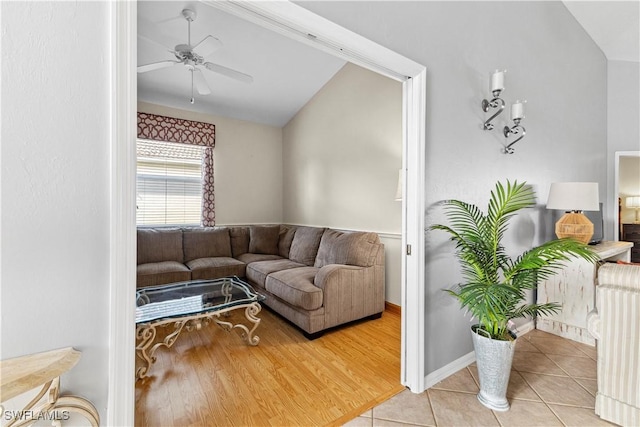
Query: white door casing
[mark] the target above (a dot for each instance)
(298, 23)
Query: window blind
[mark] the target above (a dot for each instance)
(169, 183)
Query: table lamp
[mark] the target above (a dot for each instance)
(573, 198)
(633, 202)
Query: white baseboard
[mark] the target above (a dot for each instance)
(527, 327)
(440, 374)
(466, 360)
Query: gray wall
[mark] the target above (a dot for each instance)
(623, 122)
(551, 62)
(623, 99)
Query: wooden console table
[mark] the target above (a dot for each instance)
(22, 374)
(574, 289)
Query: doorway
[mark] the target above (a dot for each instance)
(626, 185)
(297, 23)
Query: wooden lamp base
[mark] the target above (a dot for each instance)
(576, 226)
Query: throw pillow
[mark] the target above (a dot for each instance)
(627, 263)
(263, 239)
(239, 240)
(286, 238)
(304, 246)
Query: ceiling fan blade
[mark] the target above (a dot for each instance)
(207, 46)
(200, 82)
(237, 75)
(156, 65)
(149, 31)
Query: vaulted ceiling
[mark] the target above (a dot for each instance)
(613, 25)
(286, 74)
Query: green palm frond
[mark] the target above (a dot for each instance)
(495, 285)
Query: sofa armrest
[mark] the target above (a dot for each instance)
(350, 292)
(620, 276)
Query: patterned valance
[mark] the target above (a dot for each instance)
(170, 129)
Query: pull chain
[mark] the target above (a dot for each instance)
(193, 100)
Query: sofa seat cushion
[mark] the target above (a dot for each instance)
(159, 273)
(249, 258)
(257, 272)
(216, 267)
(295, 286)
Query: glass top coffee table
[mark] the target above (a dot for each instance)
(186, 306)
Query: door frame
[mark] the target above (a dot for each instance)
(302, 25)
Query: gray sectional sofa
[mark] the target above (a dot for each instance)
(317, 278)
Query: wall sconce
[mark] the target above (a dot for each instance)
(497, 86)
(517, 114)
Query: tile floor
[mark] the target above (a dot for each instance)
(552, 383)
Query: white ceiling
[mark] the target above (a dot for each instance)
(613, 25)
(286, 73)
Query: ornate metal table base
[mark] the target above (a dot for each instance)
(146, 332)
(55, 408)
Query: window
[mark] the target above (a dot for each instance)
(169, 183)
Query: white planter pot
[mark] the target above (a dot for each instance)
(493, 358)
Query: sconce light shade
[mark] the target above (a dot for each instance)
(633, 202)
(399, 188)
(573, 198)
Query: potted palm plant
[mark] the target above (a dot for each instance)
(495, 285)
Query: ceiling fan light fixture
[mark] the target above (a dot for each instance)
(193, 57)
(189, 15)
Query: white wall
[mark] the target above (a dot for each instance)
(247, 167)
(552, 63)
(342, 153)
(55, 186)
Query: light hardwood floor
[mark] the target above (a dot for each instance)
(211, 377)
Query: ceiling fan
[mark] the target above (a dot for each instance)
(191, 56)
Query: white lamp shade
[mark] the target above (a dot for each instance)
(633, 202)
(574, 196)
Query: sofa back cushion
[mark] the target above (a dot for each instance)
(158, 245)
(286, 238)
(239, 240)
(351, 248)
(304, 246)
(263, 239)
(206, 243)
